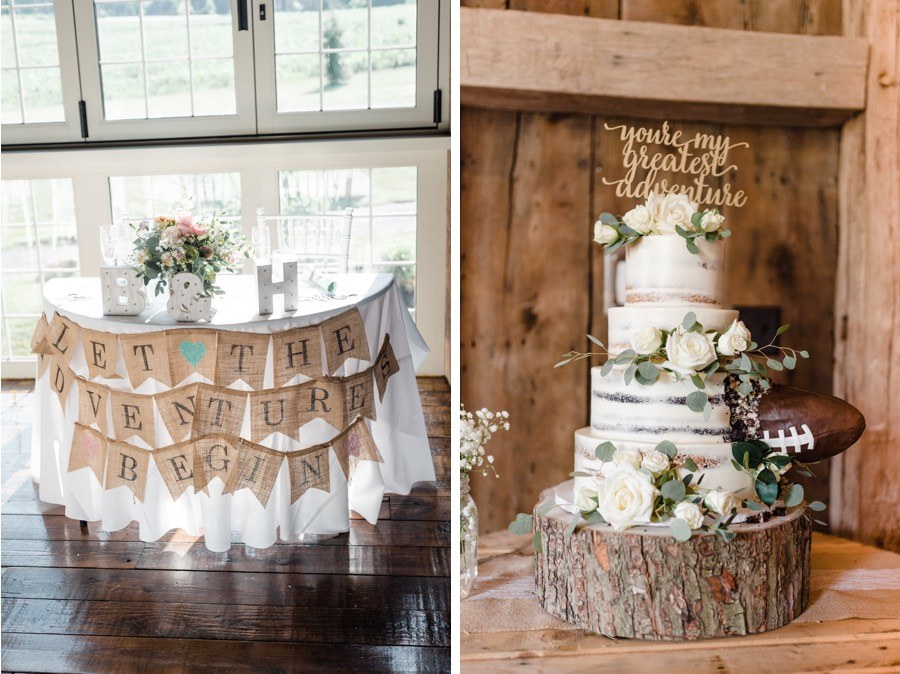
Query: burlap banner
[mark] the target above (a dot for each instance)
(92, 404)
(88, 451)
(309, 469)
(274, 411)
(354, 444)
(101, 353)
(257, 469)
(214, 456)
(191, 351)
(176, 408)
(127, 465)
(62, 338)
(242, 356)
(297, 351)
(176, 465)
(321, 399)
(132, 415)
(359, 396)
(386, 366)
(345, 337)
(39, 343)
(61, 379)
(218, 410)
(146, 357)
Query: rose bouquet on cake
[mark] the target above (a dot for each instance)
(169, 244)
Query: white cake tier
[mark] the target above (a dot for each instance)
(635, 411)
(625, 321)
(659, 270)
(713, 460)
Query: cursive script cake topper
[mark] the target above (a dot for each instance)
(698, 157)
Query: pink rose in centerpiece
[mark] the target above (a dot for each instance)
(187, 226)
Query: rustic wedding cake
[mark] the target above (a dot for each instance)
(683, 482)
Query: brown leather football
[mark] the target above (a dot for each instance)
(809, 426)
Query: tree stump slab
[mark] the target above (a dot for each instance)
(643, 584)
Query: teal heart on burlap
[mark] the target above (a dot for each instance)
(193, 352)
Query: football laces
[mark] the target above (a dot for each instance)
(791, 440)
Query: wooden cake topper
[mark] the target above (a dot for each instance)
(698, 157)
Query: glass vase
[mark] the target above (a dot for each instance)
(468, 538)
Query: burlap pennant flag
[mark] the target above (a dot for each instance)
(100, 352)
(88, 451)
(297, 351)
(39, 343)
(61, 379)
(257, 471)
(355, 444)
(345, 337)
(321, 399)
(359, 396)
(92, 404)
(191, 352)
(62, 338)
(176, 408)
(386, 366)
(218, 410)
(309, 469)
(132, 415)
(127, 465)
(242, 355)
(274, 411)
(146, 357)
(176, 465)
(214, 456)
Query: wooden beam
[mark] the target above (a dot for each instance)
(552, 63)
(865, 480)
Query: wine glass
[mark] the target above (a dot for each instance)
(109, 244)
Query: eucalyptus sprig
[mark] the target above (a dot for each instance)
(689, 235)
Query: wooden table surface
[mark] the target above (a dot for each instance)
(840, 645)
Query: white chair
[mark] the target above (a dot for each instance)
(320, 240)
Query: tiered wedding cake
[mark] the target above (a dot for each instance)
(664, 283)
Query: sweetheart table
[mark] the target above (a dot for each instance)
(399, 431)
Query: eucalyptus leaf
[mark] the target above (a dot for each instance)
(580, 473)
(648, 370)
(767, 486)
(668, 448)
(674, 490)
(790, 362)
(746, 363)
(712, 367)
(724, 233)
(628, 353)
(690, 465)
(747, 454)
(745, 388)
(752, 505)
(545, 507)
(680, 529)
(628, 231)
(681, 231)
(594, 518)
(605, 451)
(522, 524)
(697, 219)
(607, 367)
(696, 400)
(563, 362)
(804, 354)
(688, 321)
(609, 219)
(774, 365)
(692, 248)
(614, 246)
(783, 329)
(793, 495)
(596, 341)
(629, 373)
(698, 381)
(687, 479)
(707, 411)
(817, 506)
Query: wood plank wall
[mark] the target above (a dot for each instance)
(532, 283)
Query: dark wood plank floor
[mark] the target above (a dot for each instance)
(374, 600)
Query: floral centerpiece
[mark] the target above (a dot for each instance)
(671, 213)
(689, 351)
(169, 244)
(659, 487)
(475, 431)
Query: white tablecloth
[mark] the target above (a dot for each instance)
(399, 431)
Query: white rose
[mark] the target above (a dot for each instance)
(721, 502)
(647, 340)
(655, 461)
(604, 234)
(690, 350)
(672, 210)
(735, 340)
(639, 219)
(711, 221)
(587, 499)
(690, 513)
(627, 457)
(625, 498)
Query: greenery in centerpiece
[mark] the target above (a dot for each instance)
(170, 244)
